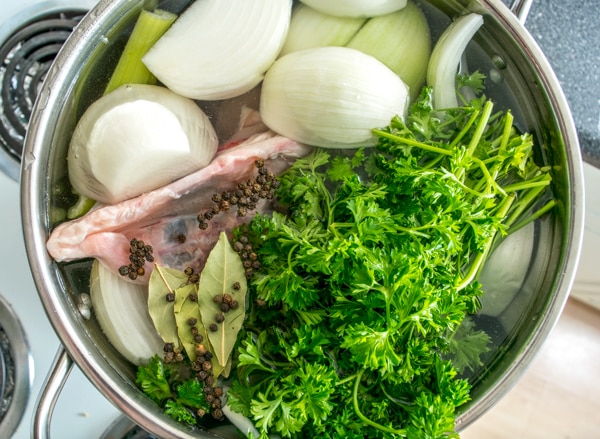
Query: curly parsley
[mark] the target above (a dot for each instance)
(371, 268)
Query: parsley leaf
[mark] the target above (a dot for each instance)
(180, 398)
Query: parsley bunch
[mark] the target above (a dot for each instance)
(370, 268)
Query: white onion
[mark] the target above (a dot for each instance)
(356, 8)
(220, 49)
(331, 97)
(121, 309)
(136, 139)
(402, 41)
(312, 28)
(445, 59)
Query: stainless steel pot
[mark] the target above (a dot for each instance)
(525, 82)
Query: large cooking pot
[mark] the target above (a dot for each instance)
(549, 251)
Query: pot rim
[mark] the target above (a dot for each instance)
(67, 321)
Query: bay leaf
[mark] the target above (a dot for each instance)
(222, 270)
(185, 309)
(162, 282)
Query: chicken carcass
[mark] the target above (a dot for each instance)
(166, 218)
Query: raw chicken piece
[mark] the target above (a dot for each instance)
(166, 218)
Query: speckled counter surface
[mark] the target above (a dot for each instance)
(568, 31)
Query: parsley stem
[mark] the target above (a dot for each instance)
(481, 255)
(465, 129)
(480, 128)
(488, 177)
(537, 214)
(527, 185)
(525, 201)
(363, 417)
(412, 142)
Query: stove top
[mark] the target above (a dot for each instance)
(31, 33)
(568, 32)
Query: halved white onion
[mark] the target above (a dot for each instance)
(356, 8)
(121, 309)
(312, 28)
(136, 139)
(331, 97)
(220, 49)
(445, 59)
(401, 40)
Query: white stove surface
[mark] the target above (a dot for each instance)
(81, 411)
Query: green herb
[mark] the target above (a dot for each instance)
(186, 311)
(222, 270)
(181, 398)
(161, 302)
(370, 270)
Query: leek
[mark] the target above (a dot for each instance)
(149, 27)
(445, 59)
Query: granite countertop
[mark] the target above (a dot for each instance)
(568, 31)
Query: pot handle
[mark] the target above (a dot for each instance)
(521, 9)
(56, 379)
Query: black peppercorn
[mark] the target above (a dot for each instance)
(200, 349)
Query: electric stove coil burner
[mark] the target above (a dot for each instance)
(15, 371)
(25, 58)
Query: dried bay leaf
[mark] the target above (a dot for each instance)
(223, 269)
(162, 282)
(186, 309)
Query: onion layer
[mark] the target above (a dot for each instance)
(401, 40)
(312, 28)
(445, 58)
(122, 313)
(356, 8)
(331, 97)
(136, 139)
(220, 49)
